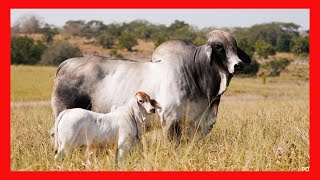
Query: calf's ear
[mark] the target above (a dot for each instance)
(243, 56)
(155, 104)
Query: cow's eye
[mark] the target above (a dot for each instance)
(140, 101)
(219, 47)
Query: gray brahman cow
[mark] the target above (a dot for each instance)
(187, 81)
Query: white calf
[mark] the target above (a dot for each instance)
(121, 127)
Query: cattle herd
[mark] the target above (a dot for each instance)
(101, 101)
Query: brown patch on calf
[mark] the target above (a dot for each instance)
(143, 96)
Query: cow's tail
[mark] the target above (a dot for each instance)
(56, 135)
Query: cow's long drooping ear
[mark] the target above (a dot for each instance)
(243, 56)
(155, 104)
(208, 50)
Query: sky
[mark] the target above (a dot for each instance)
(197, 17)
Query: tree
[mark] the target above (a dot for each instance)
(300, 45)
(283, 43)
(140, 28)
(277, 34)
(160, 40)
(264, 49)
(251, 69)
(73, 28)
(58, 52)
(92, 29)
(245, 46)
(106, 40)
(181, 30)
(127, 40)
(28, 25)
(25, 50)
(184, 33)
(275, 67)
(177, 25)
(114, 29)
(48, 33)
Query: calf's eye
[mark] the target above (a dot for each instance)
(140, 101)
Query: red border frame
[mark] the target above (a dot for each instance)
(6, 5)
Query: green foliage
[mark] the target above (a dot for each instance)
(279, 35)
(181, 30)
(177, 25)
(199, 41)
(106, 40)
(300, 45)
(251, 69)
(73, 28)
(283, 43)
(92, 29)
(140, 28)
(25, 50)
(127, 40)
(114, 29)
(276, 66)
(160, 40)
(58, 52)
(49, 33)
(246, 47)
(264, 49)
(263, 39)
(115, 53)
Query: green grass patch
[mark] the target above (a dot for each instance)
(31, 83)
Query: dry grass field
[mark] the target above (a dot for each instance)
(259, 127)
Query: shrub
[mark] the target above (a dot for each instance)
(49, 33)
(73, 28)
(92, 29)
(264, 49)
(251, 69)
(115, 53)
(199, 41)
(159, 40)
(28, 24)
(58, 52)
(25, 50)
(106, 40)
(127, 40)
(300, 45)
(246, 47)
(275, 67)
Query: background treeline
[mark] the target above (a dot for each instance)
(259, 41)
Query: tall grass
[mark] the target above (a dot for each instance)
(253, 135)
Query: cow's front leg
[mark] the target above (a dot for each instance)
(172, 127)
(211, 118)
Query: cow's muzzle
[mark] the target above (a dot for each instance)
(239, 66)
